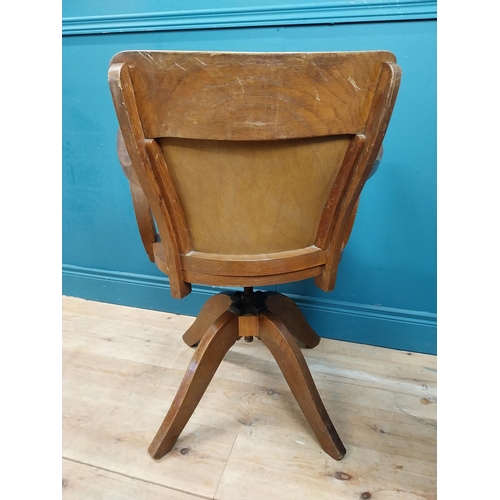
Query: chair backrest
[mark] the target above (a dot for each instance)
(251, 164)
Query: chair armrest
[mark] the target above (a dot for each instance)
(142, 210)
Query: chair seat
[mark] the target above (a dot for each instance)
(247, 270)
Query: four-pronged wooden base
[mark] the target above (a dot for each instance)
(278, 322)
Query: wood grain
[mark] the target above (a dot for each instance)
(122, 367)
(374, 133)
(329, 217)
(85, 482)
(213, 346)
(253, 265)
(133, 136)
(280, 342)
(252, 166)
(231, 96)
(144, 218)
(211, 310)
(288, 311)
(239, 280)
(371, 473)
(243, 154)
(170, 197)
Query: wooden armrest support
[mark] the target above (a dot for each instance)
(143, 214)
(377, 162)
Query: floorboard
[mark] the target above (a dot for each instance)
(248, 438)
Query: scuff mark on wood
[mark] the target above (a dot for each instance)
(242, 88)
(319, 70)
(149, 58)
(353, 83)
(416, 418)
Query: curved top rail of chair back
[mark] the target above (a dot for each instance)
(241, 96)
(250, 163)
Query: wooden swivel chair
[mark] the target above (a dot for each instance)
(245, 170)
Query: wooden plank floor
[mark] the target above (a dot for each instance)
(248, 439)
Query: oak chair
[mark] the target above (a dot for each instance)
(245, 170)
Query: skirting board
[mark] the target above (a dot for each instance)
(413, 331)
(275, 14)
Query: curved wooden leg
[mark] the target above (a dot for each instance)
(283, 347)
(290, 314)
(210, 311)
(221, 335)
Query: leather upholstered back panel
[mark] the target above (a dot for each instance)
(252, 197)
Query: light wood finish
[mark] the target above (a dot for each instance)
(248, 326)
(142, 211)
(144, 219)
(247, 317)
(262, 268)
(282, 306)
(253, 265)
(121, 370)
(84, 482)
(252, 166)
(133, 136)
(221, 335)
(242, 154)
(280, 342)
(268, 279)
(376, 125)
(331, 211)
(211, 310)
(293, 319)
(242, 96)
(125, 161)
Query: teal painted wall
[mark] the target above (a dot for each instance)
(386, 289)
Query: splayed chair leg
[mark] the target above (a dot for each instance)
(217, 340)
(210, 311)
(288, 311)
(287, 354)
